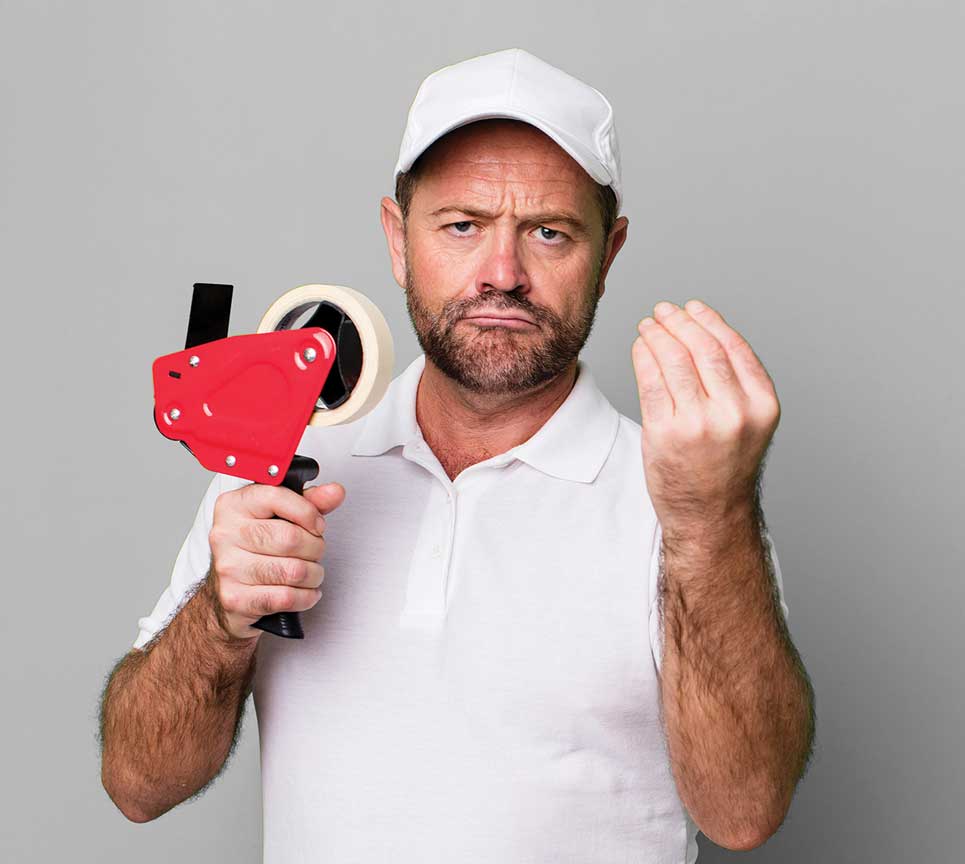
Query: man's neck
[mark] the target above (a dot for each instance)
(463, 427)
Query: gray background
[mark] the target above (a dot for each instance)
(798, 165)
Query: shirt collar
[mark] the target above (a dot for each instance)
(572, 444)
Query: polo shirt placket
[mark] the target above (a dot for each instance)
(429, 580)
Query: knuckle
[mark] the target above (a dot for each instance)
(286, 598)
(287, 535)
(220, 504)
(256, 495)
(216, 535)
(696, 429)
(730, 421)
(224, 565)
(280, 496)
(768, 413)
(228, 598)
(296, 572)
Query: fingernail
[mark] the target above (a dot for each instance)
(646, 322)
(696, 305)
(320, 524)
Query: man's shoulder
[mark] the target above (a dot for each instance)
(330, 442)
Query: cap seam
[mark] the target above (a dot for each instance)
(512, 83)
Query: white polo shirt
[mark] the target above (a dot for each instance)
(479, 682)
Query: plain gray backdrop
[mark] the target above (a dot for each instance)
(798, 165)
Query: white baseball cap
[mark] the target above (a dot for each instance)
(515, 84)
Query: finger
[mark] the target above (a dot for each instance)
(655, 401)
(279, 537)
(261, 501)
(267, 600)
(717, 375)
(676, 365)
(278, 570)
(326, 497)
(751, 373)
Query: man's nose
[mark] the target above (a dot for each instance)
(502, 268)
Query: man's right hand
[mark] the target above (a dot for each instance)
(261, 565)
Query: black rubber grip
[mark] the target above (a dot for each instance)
(288, 624)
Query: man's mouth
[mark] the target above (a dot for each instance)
(495, 319)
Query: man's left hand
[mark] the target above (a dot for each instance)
(708, 409)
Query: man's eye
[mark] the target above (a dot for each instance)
(551, 234)
(552, 231)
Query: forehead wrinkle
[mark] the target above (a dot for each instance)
(501, 168)
(556, 193)
(519, 192)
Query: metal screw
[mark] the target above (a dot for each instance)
(174, 413)
(229, 461)
(272, 470)
(309, 354)
(194, 360)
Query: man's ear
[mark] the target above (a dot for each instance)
(618, 236)
(394, 229)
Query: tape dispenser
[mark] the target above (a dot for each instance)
(322, 355)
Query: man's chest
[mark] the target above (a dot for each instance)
(526, 616)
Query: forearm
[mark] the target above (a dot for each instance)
(737, 702)
(170, 713)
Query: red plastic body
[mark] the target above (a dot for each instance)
(249, 397)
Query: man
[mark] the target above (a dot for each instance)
(548, 633)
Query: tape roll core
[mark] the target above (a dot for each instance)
(378, 355)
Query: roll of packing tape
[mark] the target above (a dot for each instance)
(364, 356)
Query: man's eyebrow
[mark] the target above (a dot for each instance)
(535, 219)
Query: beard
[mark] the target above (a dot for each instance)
(500, 360)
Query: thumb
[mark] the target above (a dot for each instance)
(326, 497)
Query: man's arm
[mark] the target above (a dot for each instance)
(737, 702)
(170, 713)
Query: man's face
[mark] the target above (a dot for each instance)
(502, 221)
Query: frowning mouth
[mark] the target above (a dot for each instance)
(500, 321)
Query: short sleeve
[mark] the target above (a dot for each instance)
(191, 565)
(656, 622)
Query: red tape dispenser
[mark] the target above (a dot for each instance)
(323, 355)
